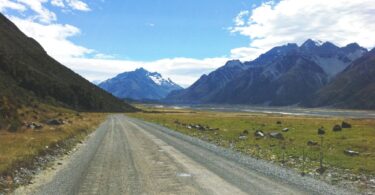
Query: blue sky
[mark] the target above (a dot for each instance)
(151, 30)
(182, 39)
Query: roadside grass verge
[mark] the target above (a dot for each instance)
(19, 149)
(287, 152)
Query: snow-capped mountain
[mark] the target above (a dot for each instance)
(285, 75)
(139, 85)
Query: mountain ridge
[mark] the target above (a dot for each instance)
(285, 75)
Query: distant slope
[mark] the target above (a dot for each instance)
(353, 88)
(139, 85)
(28, 73)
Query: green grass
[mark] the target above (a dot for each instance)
(361, 137)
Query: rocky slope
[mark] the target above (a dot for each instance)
(352, 88)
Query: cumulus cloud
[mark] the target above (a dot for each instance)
(294, 21)
(53, 37)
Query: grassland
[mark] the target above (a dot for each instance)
(361, 137)
(19, 148)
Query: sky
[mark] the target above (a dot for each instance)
(182, 39)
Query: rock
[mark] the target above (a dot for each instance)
(345, 125)
(245, 132)
(242, 137)
(34, 125)
(351, 153)
(285, 130)
(321, 131)
(189, 127)
(259, 133)
(276, 135)
(54, 122)
(312, 143)
(336, 128)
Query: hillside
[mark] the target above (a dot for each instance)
(139, 85)
(353, 88)
(28, 74)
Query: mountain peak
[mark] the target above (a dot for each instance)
(141, 69)
(139, 84)
(233, 63)
(309, 43)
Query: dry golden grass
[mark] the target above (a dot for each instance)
(22, 146)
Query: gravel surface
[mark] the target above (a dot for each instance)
(130, 156)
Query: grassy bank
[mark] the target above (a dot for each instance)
(19, 148)
(289, 151)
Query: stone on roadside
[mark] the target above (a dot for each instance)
(259, 133)
(276, 135)
(285, 130)
(54, 122)
(351, 153)
(336, 128)
(346, 125)
(312, 143)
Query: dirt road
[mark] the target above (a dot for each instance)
(129, 156)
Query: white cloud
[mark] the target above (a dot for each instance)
(183, 71)
(53, 37)
(294, 21)
(58, 3)
(240, 18)
(78, 5)
(7, 4)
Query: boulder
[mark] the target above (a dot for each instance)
(54, 122)
(336, 128)
(285, 130)
(312, 143)
(259, 133)
(276, 135)
(321, 131)
(34, 125)
(242, 137)
(346, 125)
(351, 153)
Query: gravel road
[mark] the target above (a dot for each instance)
(130, 156)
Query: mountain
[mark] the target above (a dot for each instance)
(352, 88)
(285, 75)
(208, 85)
(28, 74)
(139, 85)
